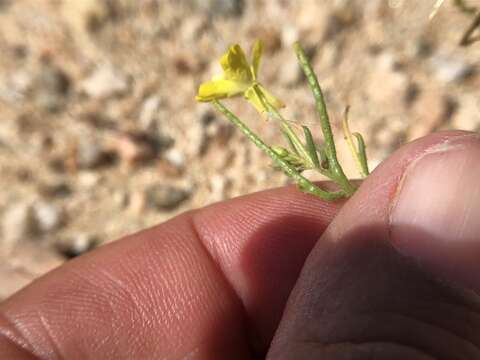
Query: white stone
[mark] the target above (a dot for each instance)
(106, 81)
(149, 112)
(18, 224)
(290, 35)
(449, 69)
(48, 217)
(175, 157)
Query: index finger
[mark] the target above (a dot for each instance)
(202, 284)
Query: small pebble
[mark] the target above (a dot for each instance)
(16, 85)
(121, 198)
(137, 147)
(48, 217)
(88, 180)
(89, 153)
(149, 112)
(105, 82)
(165, 197)
(175, 157)
(221, 7)
(18, 224)
(55, 190)
(423, 48)
(51, 88)
(76, 245)
(451, 70)
(206, 115)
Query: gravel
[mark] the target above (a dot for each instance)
(165, 197)
(448, 69)
(18, 224)
(99, 96)
(105, 82)
(52, 87)
(221, 7)
(77, 245)
(48, 217)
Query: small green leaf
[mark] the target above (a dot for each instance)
(302, 182)
(280, 151)
(311, 148)
(335, 169)
(362, 153)
(323, 158)
(290, 142)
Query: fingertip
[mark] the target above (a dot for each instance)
(356, 288)
(260, 242)
(161, 290)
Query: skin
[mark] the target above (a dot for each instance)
(214, 283)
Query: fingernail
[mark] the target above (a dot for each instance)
(435, 217)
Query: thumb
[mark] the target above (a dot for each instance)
(397, 273)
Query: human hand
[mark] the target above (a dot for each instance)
(393, 276)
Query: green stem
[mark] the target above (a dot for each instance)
(290, 133)
(293, 139)
(331, 152)
(290, 143)
(312, 150)
(286, 128)
(304, 184)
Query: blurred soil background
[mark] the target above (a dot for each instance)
(100, 135)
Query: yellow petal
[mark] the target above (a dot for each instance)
(275, 102)
(257, 95)
(252, 96)
(219, 89)
(256, 56)
(235, 65)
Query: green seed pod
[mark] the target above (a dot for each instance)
(280, 151)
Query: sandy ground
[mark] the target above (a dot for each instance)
(100, 135)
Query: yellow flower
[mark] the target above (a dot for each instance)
(239, 78)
